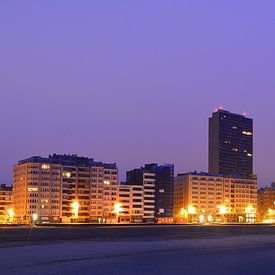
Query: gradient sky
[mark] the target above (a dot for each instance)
(134, 81)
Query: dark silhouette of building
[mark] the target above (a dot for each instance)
(230, 144)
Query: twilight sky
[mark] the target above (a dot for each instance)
(134, 81)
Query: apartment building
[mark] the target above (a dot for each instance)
(204, 197)
(131, 203)
(164, 176)
(6, 211)
(266, 204)
(142, 177)
(64, 188)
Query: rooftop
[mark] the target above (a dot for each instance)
(70, 160)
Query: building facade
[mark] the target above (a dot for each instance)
(230, 144)
(131, 203)
(266, 204)
(204, 197)
(164, 175)
(64, 188)
(6, 204)
(141, 177)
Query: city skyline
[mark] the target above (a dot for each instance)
(122, 174)
(146, 98)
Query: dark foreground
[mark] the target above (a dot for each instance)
(138, 250)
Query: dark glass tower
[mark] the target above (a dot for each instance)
(164, 186)
(230, 144)
(164, 189)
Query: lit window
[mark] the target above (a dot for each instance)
(247, 133)
(32, 189)
(67, 175)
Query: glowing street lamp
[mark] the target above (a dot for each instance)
(117, 209)
(183, 213)
(191, 211)
(75, 207)
(11, 214)
(34, 217)
(222, 209)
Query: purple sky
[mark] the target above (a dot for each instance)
(134, 81)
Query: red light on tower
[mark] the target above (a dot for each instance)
(217, 109)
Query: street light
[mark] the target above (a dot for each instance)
(11, 214)
(222, 211)
(191, 211)
(75, 207)
(34, 217)
(117, 209)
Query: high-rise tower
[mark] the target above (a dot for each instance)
(230, 144)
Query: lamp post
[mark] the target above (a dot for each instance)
(117, 210)
(191, 212)
(11, 214)
(184, 214)
(75, 207)
(222, 211)
(34, 218)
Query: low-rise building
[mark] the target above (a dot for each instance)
(204, 197)
(266, 204)
(6, 211)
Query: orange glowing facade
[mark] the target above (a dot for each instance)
(208, 198)
(266, 204)
(48, 187)
(131, 199)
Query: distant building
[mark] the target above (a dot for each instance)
(146, 179)
(164, 207)
(64, 188)
(266, 204)
(230, 144)
(131, 203)
(5, 202)
(204, 197)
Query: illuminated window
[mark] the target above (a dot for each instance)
(247, 133)
(45, 166)
(32, 189)
(67, 175)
